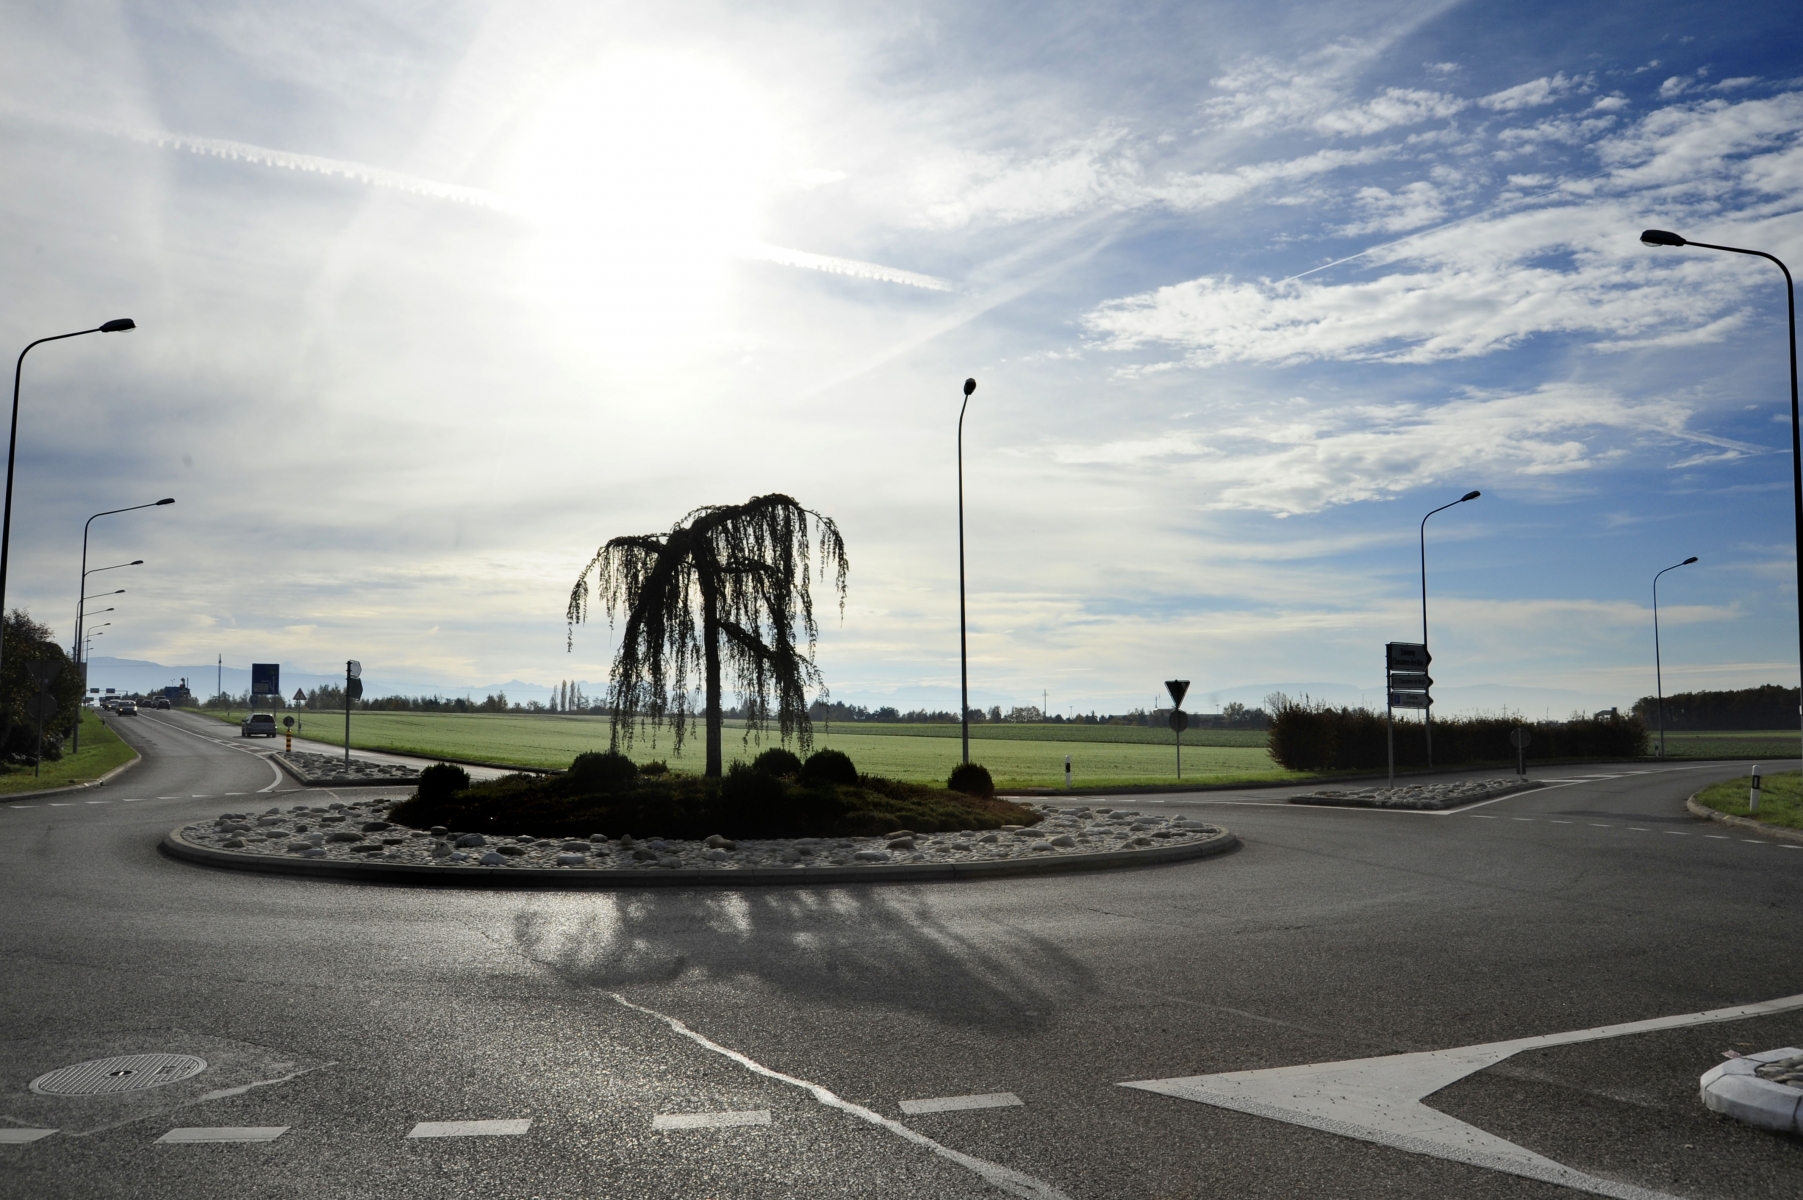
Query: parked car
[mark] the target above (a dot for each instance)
(257, 725)
(163, 702)
(127, 709)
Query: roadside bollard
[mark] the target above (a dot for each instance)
(289, 723)
(1753, 794)
(1067, 772)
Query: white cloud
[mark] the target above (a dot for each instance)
(1535, 92)
(1411, 207)
(1396, 106)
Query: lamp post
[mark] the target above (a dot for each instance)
(1662, 237)
(80, 612)
(1427, 714)
(970, 385)
(12, 446)
(1658, 670)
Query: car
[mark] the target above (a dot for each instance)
(127, 709)
(163, 702)
(257, 725)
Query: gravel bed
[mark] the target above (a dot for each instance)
(358, 832)
(1420, 795)
(331, 768)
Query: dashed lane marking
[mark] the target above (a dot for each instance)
(18, 1137)
(1529, 819)
(1561, 822)
(224, 1133)
(1677, 833)
(23, 806)
(1640, 829)
(436, 1129)
(710, 1120)
(1484, 816)
(1754, 842)
(1599, 825)
(1719, 837)
(960, 1103)
(62, 804)
(168, 797)
(100, 802)
(237, 793)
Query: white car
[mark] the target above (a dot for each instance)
(257, 725)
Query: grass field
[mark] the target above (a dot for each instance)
(101, 751)
(1780, 799)
(1756, 743)
(1101, 755)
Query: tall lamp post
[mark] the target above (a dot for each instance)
(79, 609)
(1658, 669)
(1427, 714)
(1662, 237)
(12, 446)
(970, 385)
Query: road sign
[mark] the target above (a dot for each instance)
(1178, 688)
(41, 707)
(1179, 720)
(1410, 681)
(353, 689)
(300, 697)
(1410, 700)
(1407, 656)
(44, 671)
(353, 669)
(266, 679)
(288, 721)
(1521, 737)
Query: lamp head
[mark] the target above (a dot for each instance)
(1469, 496)
(136, 562)
(970, 385)
(165, 500)
(119, 326)
(1688, 561)
(1661, 237)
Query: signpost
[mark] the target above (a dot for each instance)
(1407, 683)
(288, 726)
(1520, 737)
(353, 690)
(1178, 688)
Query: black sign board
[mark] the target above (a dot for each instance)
(1410, 681)
(266, 679)
(1410, 700)
(1407, 656)
(1178, 688)
(1179, 720)
(353, 689)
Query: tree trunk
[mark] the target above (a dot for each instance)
(710, 641)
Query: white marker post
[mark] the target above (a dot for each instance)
(1067, 772)
(1753, 792)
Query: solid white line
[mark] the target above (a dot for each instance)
(18, 1137)
(960, 1103)
(710, 1120)
(278, 776)
(224, 1133)
(1006, 1178)
(437, 1129)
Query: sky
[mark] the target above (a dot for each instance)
(435, 298)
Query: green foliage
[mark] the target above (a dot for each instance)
(606, 771)
(1767, 707)
(28, 642)
(778, 761)
(1780, 799)
(972, 779)
(656, 766)
(744, 803)
(1317, 737)
(832, 767)
(441, 780)
(727, 589)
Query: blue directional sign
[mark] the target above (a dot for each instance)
(266, 679)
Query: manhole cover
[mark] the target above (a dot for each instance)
(126, 1073)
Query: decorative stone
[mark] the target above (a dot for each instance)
(441, 849)
(900, 843)
(572, 860)
(471, 840)
(344, 835)
(716, 842)
(299, 847)
(236, 843)
(315, 852)
(574, 847)
(491, 859)
(439, 831)
(717, 855)
(1064, 841)
(988, 839)
(374, 826)
(871, 856)
(509, 851)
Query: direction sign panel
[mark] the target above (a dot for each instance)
(353, 689)
(1408, 681)
(266, 679)
(353, 669)
(1178, 688)
(1407, 656)
(1410, 700)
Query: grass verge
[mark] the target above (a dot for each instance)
(101, 751)
(1780, 800)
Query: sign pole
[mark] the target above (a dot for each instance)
(1179, 719)
(1389, 722)
(347, 716)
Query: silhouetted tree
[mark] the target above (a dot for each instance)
(728, 588)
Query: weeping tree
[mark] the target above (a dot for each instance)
(727, 590)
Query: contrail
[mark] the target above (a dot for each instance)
(400, 181)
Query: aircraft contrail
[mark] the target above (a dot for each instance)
(400, 181)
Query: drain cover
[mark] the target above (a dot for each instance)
(126, 1073)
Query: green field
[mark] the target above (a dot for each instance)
(1756, 743)
(1780, 799)
(1016, 755)
(101, 751)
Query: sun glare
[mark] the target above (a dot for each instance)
(644, 175)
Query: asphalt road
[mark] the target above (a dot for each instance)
(350, 1014)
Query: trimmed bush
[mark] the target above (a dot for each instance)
(654, 767)
(972, 779)
(829, 767)
(779, 762)
(442, 780)
(1316, 737)
(602, 771)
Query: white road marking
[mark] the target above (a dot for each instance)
(18, 1137)
(1485, 816)
(1677, 833)
(237, 793)
(278, 776)
(23, 806)
(1720, 837)
(1379, 1099)
(1561, 822)
(131, 800)
(225, 1133)
(1790, 847)
(1639, 829)
(1751, 841)
(1598, 825)
(62, 804)
(432, 1129)
(168, 797)
(710, 1120)
(1521, 818)
(1006, 1178)
(960, 1103)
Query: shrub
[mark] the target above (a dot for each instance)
(603, 772)
(442, 780)
(1316, 737)
(829, 767)
(972, 779)
(777, 761)
(655, 767)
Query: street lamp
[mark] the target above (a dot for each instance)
(970, 385)
(1427, 714)
(1658, 675)
(1662, 237)
(12, 446)
(80, 612)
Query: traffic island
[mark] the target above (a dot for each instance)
(1762, 1090)
(330, 770)
(355, 841)
(1421, 797)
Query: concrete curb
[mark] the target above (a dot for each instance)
(338, 781)
(76, 787)
(1747, 823)
(1733, 1090)
(176, 846)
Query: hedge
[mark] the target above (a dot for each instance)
(1316, 737)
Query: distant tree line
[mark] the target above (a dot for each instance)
(1231, 716)
(1768, 707)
